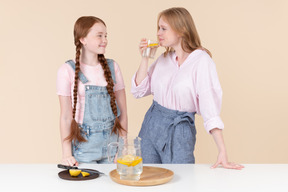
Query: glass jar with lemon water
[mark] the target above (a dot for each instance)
(129, 160)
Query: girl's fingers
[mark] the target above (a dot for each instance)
(64, 162)
(76, 163)
(70, 162)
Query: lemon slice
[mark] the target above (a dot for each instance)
(120, 161)
(136, 161)
(74, 172)
(126, 160)
(85, 174)
(153, 44)
(130, 160)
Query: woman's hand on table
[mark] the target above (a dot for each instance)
(223, 160)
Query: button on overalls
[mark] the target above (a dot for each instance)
(97, 123)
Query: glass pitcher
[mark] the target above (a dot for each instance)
(129, 160)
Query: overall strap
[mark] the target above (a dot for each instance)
(111, 66)
(82, 77)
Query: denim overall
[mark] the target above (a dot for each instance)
(168, 136)
(97, 123)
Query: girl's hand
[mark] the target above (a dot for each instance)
(69, 160)
(143, 45)
(223, 160)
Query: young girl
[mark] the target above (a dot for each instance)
(183, 82)
(92, 97)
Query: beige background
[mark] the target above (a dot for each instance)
(248, 40)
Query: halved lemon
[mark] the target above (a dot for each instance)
(85, 174)
(74, 172)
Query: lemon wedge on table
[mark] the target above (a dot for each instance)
(74, 172)
(129, 160)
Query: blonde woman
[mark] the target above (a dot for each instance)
(183, 82)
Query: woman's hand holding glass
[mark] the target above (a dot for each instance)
(148, 48)
(143, 45)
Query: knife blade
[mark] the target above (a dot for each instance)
(92, 171)
(82, 169)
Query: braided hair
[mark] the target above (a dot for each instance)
(81, 29)
(110, 84)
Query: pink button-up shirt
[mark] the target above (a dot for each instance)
(192, 87)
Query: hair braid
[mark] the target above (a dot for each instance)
(75, 133)
(110, 85)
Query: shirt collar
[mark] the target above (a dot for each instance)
(174, 56)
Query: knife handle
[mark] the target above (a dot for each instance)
(66, 166)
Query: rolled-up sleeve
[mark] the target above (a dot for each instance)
(210, 106)
(144, 88)
(209, 93)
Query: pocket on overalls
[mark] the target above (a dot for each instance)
(100, 105)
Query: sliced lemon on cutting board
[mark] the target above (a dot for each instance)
(85, 174)
(74, 172)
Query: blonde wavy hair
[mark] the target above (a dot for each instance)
(182, 23)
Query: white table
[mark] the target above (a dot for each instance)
(194, 178)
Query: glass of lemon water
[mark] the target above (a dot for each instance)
(129, 160)
(151, 49)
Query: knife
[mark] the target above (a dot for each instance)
(82, 169)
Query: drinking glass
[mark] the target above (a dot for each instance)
(151, 49)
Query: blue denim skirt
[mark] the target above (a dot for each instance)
(168, 136)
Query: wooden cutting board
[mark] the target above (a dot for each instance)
(150, 176)
(66, 175)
